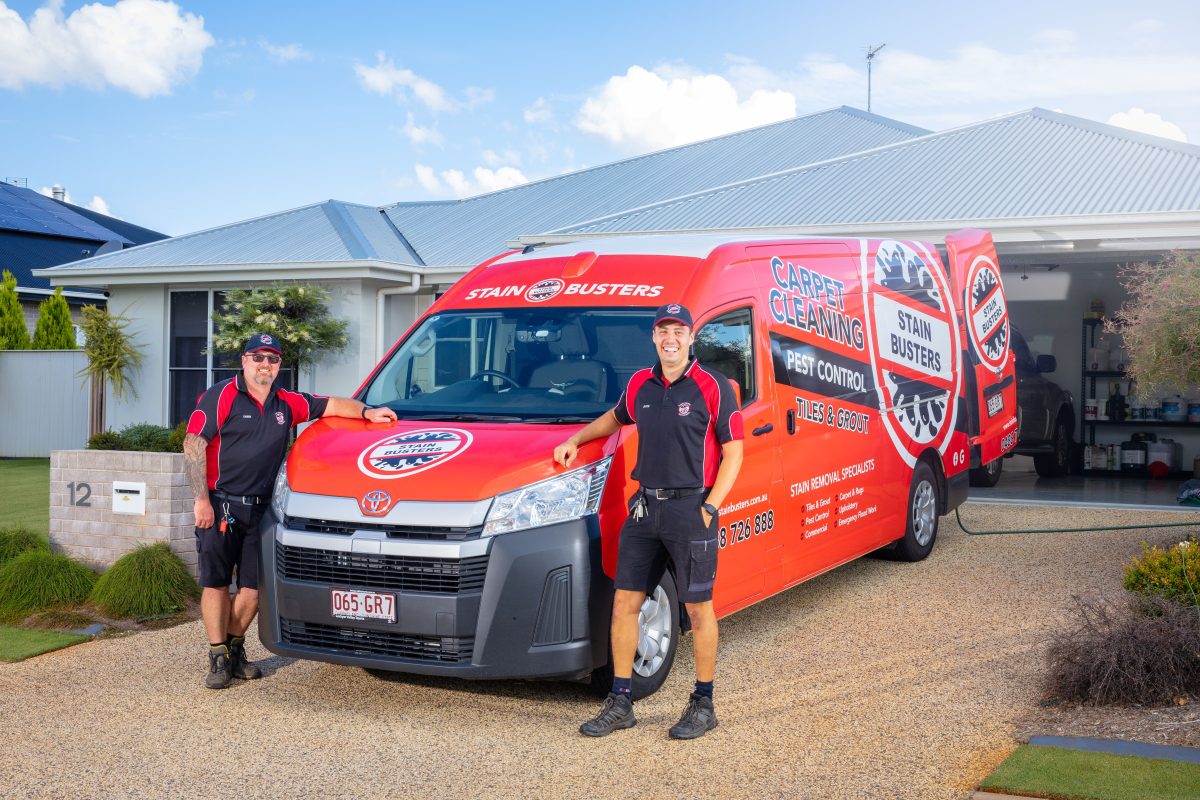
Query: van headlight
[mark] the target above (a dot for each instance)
(563, 497)
(279, 495)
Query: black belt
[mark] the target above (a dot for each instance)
(672, 494)
(244, 499)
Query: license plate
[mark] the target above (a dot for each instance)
(995, 404)
(345, 604)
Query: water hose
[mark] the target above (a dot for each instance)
(970, 532)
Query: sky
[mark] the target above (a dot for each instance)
(183, 116)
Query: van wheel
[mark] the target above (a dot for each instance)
(920, 529)
(1055, 463)
(988, 474)
(658, 639)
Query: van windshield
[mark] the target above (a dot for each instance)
(515, 364)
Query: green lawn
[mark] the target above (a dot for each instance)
(17, 644)
(1079, 775)
(25, 487)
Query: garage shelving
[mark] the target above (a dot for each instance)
(1087, 391)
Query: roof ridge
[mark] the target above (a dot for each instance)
(848, 110)
(844, 159)
(1116, 131)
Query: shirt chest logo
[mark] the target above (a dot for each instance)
(279, 417)
(685, 409)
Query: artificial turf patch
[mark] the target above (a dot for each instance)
(150, 581)
(17, 644)
(39, 579)
(1081, 775)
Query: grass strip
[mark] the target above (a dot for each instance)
(25, 487)
(1080, 775)
(17, 644)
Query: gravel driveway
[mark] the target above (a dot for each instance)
(878, 680)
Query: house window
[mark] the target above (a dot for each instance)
(192, 370)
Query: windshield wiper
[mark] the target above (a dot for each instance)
(559, 420)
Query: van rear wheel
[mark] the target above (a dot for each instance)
(921, 526)
(658, 639)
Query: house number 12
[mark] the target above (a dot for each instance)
(85, 493)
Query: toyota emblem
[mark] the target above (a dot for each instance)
(375, 503)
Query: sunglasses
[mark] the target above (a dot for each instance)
(258, 358)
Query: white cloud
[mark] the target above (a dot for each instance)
(456, 182)
(1143, 121)
(494, 159)
(242, 98)
(284, 53)
(145, 47)
(98, 205)
(539, 112)
(387, 79)
(477, 97)
(644, 110)
(419, 135)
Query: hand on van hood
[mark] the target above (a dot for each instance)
(428, 460)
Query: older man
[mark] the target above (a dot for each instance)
(236, 439)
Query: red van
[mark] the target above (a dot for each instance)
(871, 376)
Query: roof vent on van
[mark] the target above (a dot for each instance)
(578, 264)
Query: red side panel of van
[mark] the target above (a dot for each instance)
(991, 381)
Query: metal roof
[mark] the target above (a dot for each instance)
(133, 234)
(328, 231)
(22, 252)
(465, 232)
(23, 209)
(1032, 164)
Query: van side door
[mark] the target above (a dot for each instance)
(990, 378)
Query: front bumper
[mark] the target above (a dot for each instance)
(519, 605)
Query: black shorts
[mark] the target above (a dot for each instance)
(671, 530)
(236, 550)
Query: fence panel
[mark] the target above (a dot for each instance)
(43, 404)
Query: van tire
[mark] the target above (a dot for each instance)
(921, 517)
(664, 600)
(1057, 462)
(988, 474)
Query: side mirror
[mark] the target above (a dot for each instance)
(1046, 363)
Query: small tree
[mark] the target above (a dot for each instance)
(112, 359)
(13, 333)
(295, 314)
(54, 330)
(1160, 323)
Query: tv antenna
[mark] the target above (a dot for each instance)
(872, 51)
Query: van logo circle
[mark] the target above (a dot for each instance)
(987, 317)
(915, 347)
(685, 409)
(404, 454)
(543, 290)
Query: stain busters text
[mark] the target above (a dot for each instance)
(592, 289)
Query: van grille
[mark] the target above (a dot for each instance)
(384, 572)
(363, 641)
(343, 528)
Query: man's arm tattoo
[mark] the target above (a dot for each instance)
(196, 463)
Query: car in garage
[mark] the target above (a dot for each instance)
(1046, 414)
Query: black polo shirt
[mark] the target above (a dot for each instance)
(246, 441)
(681, 426)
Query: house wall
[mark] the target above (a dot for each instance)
(146, 308)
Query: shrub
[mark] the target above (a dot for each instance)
(175, 440)
(39, 579)
(1173, 573)
(13, 333)
(1140, 651)
(15, 541)
(107, 440)
(54, 329)
(147, 582)
(146, 437)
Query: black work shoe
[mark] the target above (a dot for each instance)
(239, 665)
(698, 718)
(615, 715)
(219, 669)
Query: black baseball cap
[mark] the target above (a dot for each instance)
(672, 312)
(262, 341)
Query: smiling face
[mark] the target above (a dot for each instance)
(673, 341)
(262, 373)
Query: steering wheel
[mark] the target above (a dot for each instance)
(495, 373)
